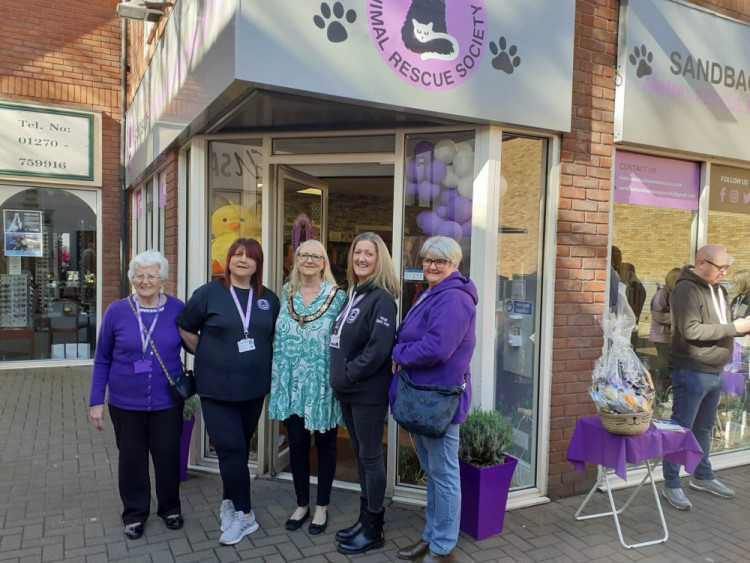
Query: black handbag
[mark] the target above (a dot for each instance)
(426, 410)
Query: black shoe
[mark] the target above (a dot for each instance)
(173, 521)
(292, 525)
(369, 537)
(354, 529)
(414, 552)
(134, 531)
(317, 529)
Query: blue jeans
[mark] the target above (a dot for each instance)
(439, 459)
(696, 398)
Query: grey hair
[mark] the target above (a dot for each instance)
(146, 259)
(442, 247)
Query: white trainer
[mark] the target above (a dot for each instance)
(241, 526)
(226, 514)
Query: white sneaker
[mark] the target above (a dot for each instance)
(241, 526)
(226, 514)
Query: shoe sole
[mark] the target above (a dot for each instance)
(710, 491)
(376, 545)
(677, 506)
(245, 533)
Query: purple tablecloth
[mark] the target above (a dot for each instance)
(593, 444)
(734, 382)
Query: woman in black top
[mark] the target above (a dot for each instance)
(361, 345)
(229, 324)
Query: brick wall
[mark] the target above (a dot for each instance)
(68, 53)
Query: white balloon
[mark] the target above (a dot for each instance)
(464, 147)
(503, 185)
(445, 150)
(451, 178)
(466, 186)
(463, 163)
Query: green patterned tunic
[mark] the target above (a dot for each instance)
(301, 362)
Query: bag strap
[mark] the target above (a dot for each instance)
(153, 347)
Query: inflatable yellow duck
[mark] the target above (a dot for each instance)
(228, 223)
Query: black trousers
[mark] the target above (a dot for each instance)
(137, 434)
(231, 425)
(366, 424)
(299, 457)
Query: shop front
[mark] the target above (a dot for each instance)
(291, 125)
(684, 182)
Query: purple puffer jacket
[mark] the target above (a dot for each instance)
(437, 338)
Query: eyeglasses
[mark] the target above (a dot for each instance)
(150, 277)
(720, 268)
(439, 263)
(314, 257)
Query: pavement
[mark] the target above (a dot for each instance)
(59, 502)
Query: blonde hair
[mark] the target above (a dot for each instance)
(384, 276)
(741, 280)
(671, 278)
(295, 278)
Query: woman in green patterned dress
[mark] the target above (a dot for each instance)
(301, 396)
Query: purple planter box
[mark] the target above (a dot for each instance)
(187, 432)
(484, 495)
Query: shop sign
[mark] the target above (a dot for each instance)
(22, 232)
(46, 143)
(730, 189)
(682, 81)
(656, 181)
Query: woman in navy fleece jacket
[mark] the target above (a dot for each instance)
(434, 345)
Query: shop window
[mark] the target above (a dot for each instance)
(438, 195)
(48, 274)
(518, 290)
(149, 215)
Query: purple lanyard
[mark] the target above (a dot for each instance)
(246, 316)
(338, 326)
(145, 337)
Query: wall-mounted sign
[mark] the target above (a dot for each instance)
(683, 83)
(656, 181)
(22, 231)
(46, 143)
(730, 189)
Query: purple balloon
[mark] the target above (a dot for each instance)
(422, 217)
(466, 228)
(447, 196)
(437, 171)
(431, 223)
(412, 188)
(428, 191)
(415, 171)
(451, 229)
(461, 208)
(424, 147)
(442, 212)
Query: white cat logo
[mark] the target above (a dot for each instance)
(424, 33)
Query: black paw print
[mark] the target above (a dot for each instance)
(639, 57)
(505, 61)
(336, 30)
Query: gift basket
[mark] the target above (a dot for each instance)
(621, 389)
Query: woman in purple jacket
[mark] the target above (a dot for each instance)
(434, 344)
(145, 416)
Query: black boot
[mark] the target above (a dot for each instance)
(369, 537)
(353, 530)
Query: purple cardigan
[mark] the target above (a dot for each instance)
(119, 346)
(436, 340)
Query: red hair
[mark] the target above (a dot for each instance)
(254, 251)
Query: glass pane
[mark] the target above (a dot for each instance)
(48, 275)
(330, 145)
(523, 177)
(235, 183)
(438, 193)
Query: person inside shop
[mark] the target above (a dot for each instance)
(288, 263)
(702, 341)
(434, 344)
(741, 302)
(660, 331)
(361, 344)
(301, 396)
(145, 416)
(228, 324)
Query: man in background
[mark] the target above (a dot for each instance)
(702, 343)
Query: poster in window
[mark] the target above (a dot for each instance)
(23, 232)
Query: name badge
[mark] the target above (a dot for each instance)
(335, 341)
(141, 366)
(246, 345)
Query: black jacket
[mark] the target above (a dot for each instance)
(361, 366)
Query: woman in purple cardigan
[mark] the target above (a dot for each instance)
(434, 345)
(145, 417)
